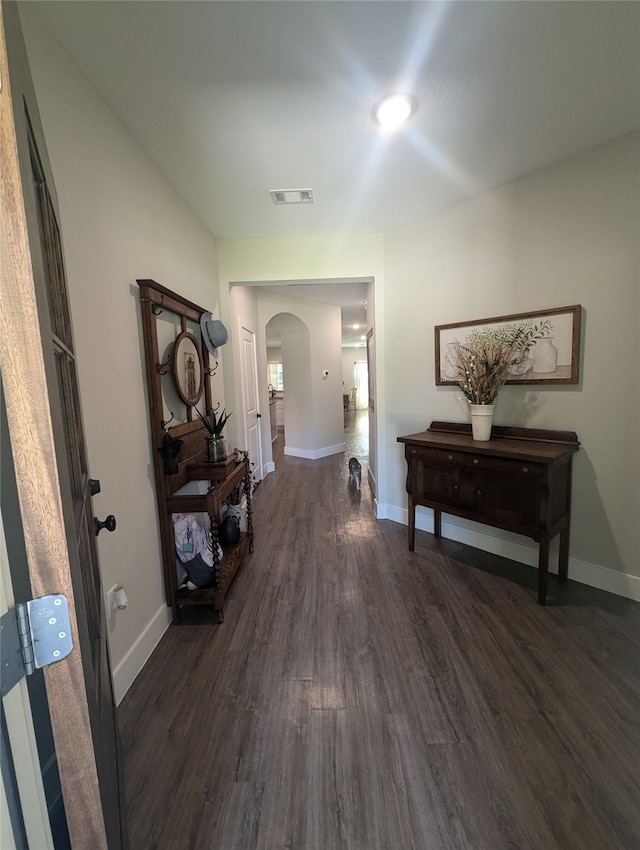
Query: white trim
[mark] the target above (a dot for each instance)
(124, 674)
(519, 549)
(315, 454)
(269, 467)
(382, 512)
(373, 484)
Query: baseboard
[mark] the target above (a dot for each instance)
(520, 549)
(269, 467)
(373, 486)
(314, 454)
(124, 673)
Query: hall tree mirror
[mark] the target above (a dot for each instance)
(181, 366)
(187, 367)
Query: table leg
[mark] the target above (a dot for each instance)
(563, 556)
(412, 523)
(543, 570)
(437, 523)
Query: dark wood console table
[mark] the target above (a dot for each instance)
(519, 480)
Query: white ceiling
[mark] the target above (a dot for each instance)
(234, 99)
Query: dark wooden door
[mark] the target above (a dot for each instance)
(39, 374)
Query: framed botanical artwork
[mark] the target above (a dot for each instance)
(549, 345)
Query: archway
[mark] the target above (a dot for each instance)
(288, 355)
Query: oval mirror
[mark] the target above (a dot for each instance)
(188, 370)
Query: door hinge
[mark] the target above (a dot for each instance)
(34, 634)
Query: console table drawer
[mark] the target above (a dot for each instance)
(431, 456)
(505, 466)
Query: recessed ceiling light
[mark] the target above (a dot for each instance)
(355, 327)
(393, 111)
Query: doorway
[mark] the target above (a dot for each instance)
(354, 297)
(250, 405)
(255, 303)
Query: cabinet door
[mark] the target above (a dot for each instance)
(508, 501)
(434, 482)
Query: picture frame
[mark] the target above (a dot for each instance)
(188, 368)
(553, 358)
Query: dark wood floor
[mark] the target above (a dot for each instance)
(362, 697)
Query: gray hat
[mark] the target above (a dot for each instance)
(214, 333)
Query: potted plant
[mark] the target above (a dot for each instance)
(216, 444)
(482, 364)
(527, 334)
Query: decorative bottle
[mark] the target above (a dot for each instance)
(545, 356)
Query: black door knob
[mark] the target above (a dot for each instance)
(109, 523)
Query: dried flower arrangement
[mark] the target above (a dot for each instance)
(485, 360)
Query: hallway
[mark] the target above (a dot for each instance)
(356, 435)
(362, 697)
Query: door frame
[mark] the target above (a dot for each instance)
(22, 365)
(249, 383)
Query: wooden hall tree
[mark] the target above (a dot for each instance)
(168, 319)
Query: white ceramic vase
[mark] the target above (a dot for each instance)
(545, 356)
(481, 419)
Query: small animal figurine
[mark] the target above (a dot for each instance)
(355, 472)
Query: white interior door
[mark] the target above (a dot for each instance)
(252, 415)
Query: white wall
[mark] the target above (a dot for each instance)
(274, 355)
(565, 235)
(313, 418)
(349, 357)
(120, 221)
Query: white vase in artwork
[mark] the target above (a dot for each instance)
(450, 362)
(545, 356)
(481, 419)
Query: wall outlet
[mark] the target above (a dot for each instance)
(110, 595)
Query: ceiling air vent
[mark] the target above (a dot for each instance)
(291, 196)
